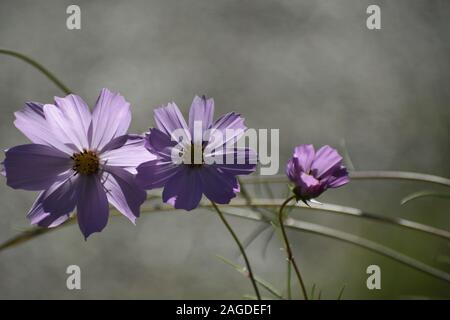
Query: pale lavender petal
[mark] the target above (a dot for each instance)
(243, 161)
(34, 166)
(129, 155)
(77, 112)
(64, 127)
(304, 155)
(32, 123)
(111, 118)
(326, 160)
(202, 110)
(123, 192)
(92, 205)
(231, 126)
(169, 119)
(183, 190)
(115, 143)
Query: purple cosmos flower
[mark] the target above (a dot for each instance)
(78, 159)
(210, 160)
(314, 172)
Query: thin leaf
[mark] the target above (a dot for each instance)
(424, 194)
(253, 297)
(341, 292)
(313, 290)
(365, 175)
(354, 212)
(347, 158)
(296, 225)
(353, 239)
(266, 285)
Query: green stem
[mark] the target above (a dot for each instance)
(241, 248)
(290, 255)
(365, 175)
(297, 225)
(288, 278)
(39, 67)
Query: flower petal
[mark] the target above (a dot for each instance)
(202, 111)
(129, 155)
(326, 160)
(170, 121)
(32, 123)
(154, 174)
(339, 178)
(244, 161)
(111, 118)
(309, 187)
(64, 127)
(38, 216)
(61, 199)
(231, 126)
(159, 143)
(34, 166)
(183, 190)
(169, 118)
(304, 156)
(46, 217)
(77, 112)
(218, 186)
(92, 205)
(123, 192)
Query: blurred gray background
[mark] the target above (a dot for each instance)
(310, 68)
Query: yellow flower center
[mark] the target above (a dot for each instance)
(86, 162)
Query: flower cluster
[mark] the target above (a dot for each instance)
(86, 161)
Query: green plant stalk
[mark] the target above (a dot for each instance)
(365, 175)
(287, 246)
(241, 248)
(294, 224)
(39, 67)
(263, 283)
(288, 280)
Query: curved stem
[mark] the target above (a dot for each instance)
(38, 66)
(297, 225)
(400, 175)
(424, 194)
(241, 248)
(289, 253)
(288, 279)
(365, 175)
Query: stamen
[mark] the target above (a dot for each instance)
(85, 162)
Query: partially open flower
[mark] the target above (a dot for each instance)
(314, 172)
